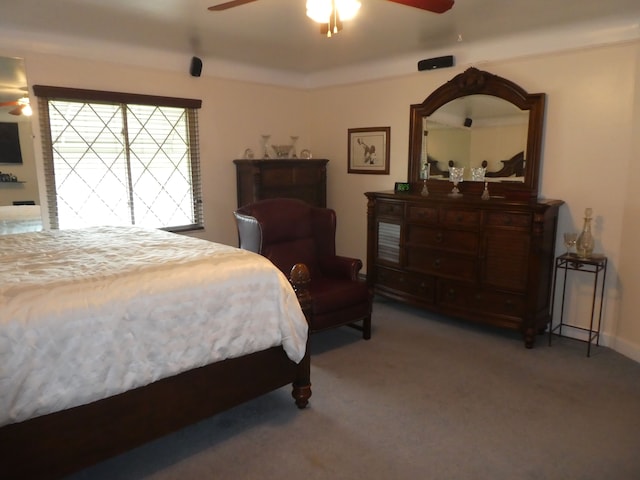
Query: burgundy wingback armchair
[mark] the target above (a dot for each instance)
(288, 232)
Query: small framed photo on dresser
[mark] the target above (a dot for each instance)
(369, 150)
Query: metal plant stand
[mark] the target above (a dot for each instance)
(596, 265)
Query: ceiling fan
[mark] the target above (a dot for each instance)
(435, 6)
(22, 106)
(334, 23)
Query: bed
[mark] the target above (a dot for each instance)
(113, 336)
(20, 219)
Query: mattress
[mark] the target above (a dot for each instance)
(20, 219)
(90, 313)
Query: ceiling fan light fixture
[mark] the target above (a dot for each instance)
(321, 11)
(25, 106)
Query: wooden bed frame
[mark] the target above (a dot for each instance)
(435, 170)
(61, 443)
(513, 166)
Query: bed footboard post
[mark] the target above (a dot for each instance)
(300, 278)
(302, 384)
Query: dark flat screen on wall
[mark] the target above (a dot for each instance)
(9, 143)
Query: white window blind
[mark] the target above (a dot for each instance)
(120, 159)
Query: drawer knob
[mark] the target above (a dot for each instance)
(436, 263)
(439, 237)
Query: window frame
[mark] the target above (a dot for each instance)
(46, 93)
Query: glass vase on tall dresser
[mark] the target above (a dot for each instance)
(585, 243)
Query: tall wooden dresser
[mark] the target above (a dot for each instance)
(477, 249)
(487, 261)
(305, 179)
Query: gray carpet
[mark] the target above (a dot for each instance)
(425, 398)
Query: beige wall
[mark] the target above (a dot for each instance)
(626, 326)
(589, 146)
(233, 117)
(588, 160)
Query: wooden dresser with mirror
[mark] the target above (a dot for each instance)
(488, 260)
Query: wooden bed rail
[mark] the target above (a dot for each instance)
(54, 445)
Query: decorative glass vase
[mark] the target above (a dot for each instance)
(456, 175)
(477, 174)
(585, 243)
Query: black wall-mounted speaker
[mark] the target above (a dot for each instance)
(436, 62)
(196, 67)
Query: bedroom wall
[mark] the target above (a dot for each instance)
(592, 114)
(233, 117)
(588, 160)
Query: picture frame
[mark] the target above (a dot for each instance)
(368, 150)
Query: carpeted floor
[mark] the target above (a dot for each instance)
(425, 398)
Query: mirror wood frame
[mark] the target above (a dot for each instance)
(472, 82)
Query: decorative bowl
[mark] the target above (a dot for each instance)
(282, 151)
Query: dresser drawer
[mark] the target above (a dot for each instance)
(468, 297)
(451, 240)
(288, 176)
(390, 209)
(422, 214)
(420, 286)
(507, 219)
(460, 218)
(442, 264)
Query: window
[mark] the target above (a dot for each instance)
(120, 159)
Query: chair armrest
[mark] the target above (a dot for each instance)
(340, 267)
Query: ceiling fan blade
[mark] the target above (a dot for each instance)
(435, 6)
(227, 5)
(8, 104)
(17, 110)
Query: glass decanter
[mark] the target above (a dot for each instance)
(585, 243)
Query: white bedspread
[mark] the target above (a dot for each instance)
(86, 314)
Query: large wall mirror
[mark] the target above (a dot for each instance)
(478, 120)
(19, 193)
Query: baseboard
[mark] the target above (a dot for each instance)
(623, 347)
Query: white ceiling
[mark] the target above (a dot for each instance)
(276, 34)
